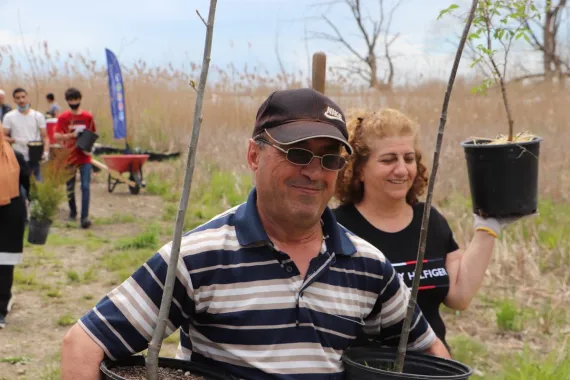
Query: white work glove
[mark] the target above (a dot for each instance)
(494, 226)
(45, 156)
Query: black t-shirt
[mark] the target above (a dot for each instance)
(401, 248)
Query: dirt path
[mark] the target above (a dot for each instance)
(48, 298)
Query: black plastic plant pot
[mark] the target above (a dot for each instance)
(503, 178)
(86, 140)
(373, 363)
(109, 368)
(35, 151)
(38, 231)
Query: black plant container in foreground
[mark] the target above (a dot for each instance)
(371, 363)
(503, 178)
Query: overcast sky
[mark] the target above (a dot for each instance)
(245, 31)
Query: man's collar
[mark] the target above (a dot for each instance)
(249, 230)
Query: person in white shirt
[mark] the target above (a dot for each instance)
(23, 125)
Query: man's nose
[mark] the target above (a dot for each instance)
(314, 169)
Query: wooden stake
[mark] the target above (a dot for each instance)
(319, 71)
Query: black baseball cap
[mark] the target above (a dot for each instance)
(291, 116)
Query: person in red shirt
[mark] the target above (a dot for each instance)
(69, 125)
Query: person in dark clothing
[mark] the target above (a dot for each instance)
(14, 180)
(378, 190)
(4, 108)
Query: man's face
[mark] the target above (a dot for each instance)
(21, 99)
(289, 192)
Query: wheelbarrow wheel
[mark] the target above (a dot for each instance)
(111, 183)
(137, 179)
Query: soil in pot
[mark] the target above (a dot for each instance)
(503, 176)
(377, 363)
(134, 368)
(139, 373)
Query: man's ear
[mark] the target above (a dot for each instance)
(253, 152)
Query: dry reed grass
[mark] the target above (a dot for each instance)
(159, 111)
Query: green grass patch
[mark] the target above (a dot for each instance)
(15, 359)
(169, 212)
(469, 351)
(56, 239)
(145, 240)
(223, 191)
(155, 185)
(124, 263)
(509, 316)
(530, 366)
(53, 293)
(26, 280)
(86, 277)
(73, 276)
(66, 320)
(549, 318)
(51, 371)
(114, 219)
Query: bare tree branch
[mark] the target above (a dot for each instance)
(338, 38)
(278, 56)
(369, 35)
(354, 70)
(387, 43)
(307, 53)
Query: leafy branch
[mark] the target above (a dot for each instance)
(502, 22)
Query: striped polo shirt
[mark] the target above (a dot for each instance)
(243, 307)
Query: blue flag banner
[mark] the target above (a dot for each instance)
(117, 95)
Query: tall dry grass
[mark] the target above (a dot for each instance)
(159, 106)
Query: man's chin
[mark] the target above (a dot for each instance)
(304, 212)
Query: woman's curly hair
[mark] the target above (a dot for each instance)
(363, 127)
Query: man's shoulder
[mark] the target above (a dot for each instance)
(64, 116)
(37, 115)
(219, 232)
(11, 114)
(364, 249)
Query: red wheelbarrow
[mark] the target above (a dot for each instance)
(117, 164)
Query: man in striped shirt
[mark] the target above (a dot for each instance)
(273, 288)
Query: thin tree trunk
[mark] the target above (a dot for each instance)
(427, 208)
(158, 334)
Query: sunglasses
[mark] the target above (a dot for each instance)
(300, 156)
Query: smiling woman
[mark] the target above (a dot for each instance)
(378, 190)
